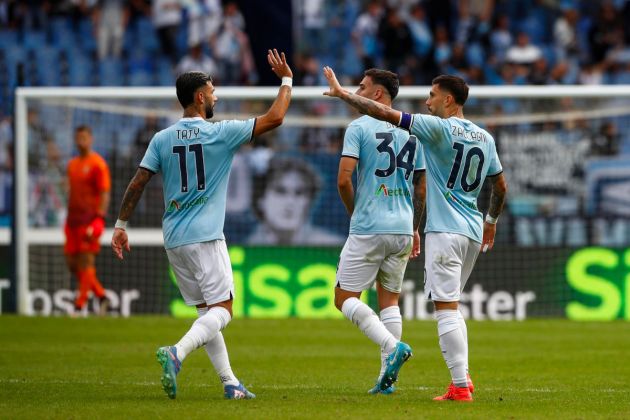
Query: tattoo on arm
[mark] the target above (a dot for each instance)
(133, 193)
(497, 201)
(418, 198)
(367, 106)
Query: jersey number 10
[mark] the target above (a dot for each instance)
(475, 151)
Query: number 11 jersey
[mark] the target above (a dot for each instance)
(195, 157)
(388, 157)
(459, 156)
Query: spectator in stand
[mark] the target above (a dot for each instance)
(539, 74)
(204, 19)
(232, 49)
(196, 60)
(110, 19)
(167, 17)
(365, 34)
(591, 74)
(500, 38)
(396, 39)
(605, 31)
(606, 141)
(442, 47)
(420, 31)
(523, 52)
(565, 34)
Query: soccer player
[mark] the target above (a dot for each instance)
(385, 215)
(89, 184)
(459, 156)
(195, 157)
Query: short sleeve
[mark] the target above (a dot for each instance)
(495, 167)
(426, 127)
(104, 179)
(237, 132)
(420, 163)
(352, 142)
(151, 159)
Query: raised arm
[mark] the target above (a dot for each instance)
(130, 200)
(419, 198)
(363, 105)
(275, 115)
(497, 201)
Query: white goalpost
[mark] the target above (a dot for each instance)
(532, 105)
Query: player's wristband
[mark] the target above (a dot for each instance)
(287, 81)
(491, 220)
(121, 224)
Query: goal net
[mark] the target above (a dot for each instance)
(562, 149)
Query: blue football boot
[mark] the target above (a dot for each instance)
(237, 392)
(167, 357)
(393, 363)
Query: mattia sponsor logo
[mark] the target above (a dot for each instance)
(176, 206)
(392, 192)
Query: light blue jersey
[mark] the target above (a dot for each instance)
(459, 155)
(388, 156)
(195, 157)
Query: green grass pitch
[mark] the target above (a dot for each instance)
(106, 368)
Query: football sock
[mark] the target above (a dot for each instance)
(464, 330)
(364, 317)
(95, 285)
(204, 329)
(217, 352)
(452, 345)
(83, 277)
(391, 318)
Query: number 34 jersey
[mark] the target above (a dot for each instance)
(388, 157)
(195, 157)
(459, 156)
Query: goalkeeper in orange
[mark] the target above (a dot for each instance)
(90, 184)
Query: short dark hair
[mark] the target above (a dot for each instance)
(83, 128)
(387, 79)
(188, 83)
(456, 86)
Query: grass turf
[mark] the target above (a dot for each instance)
(106, 368)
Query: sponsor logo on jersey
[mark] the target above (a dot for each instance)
(175, 206)
(391, 192)
(449, 196)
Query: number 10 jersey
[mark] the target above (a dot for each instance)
(459, 156)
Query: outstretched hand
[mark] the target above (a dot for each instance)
(335, 88)
(120, 241)
(278, 63)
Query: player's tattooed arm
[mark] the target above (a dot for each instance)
(363, 105)
(134, 192)
(497, 196)
(419, 196)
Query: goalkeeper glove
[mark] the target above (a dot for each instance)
(96, 228)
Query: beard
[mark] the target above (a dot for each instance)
(209, 111)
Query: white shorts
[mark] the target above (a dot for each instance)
(366, 258)
(449, 260)
(203, 272)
